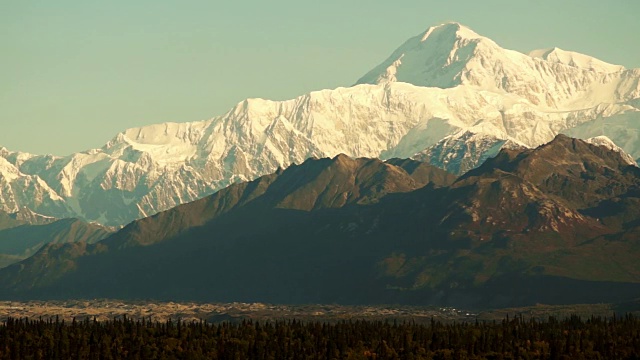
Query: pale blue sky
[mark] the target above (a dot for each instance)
(74, 73)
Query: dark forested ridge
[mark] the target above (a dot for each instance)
(559, 224)
(517, 338)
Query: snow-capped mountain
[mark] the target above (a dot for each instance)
(449, 96)
(19, 191)
(607, 143)
(451, 55)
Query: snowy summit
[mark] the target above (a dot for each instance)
(448, 96)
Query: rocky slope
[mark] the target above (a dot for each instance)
(314, 185)
(449, 95)
(555, 224)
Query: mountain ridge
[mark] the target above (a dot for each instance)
(490, 98)
(510, 232)
(22, 236)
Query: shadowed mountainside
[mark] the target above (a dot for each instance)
(21, 239)
(554, 224)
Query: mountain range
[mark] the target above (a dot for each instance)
(559, 223)
(448, 97)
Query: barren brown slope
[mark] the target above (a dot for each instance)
(572, 169)
(313, 185)
(565, 209)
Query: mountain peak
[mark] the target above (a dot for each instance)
(574, 59)
(565, 155)
(448, 30)
(434, 58)
(609, 144)
(450, 55)
(8, 171)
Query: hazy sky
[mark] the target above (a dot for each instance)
(75, 73)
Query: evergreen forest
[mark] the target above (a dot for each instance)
(516, 338)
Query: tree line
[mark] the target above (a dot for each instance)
(516, 338)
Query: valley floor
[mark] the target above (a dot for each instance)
(106, 309)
